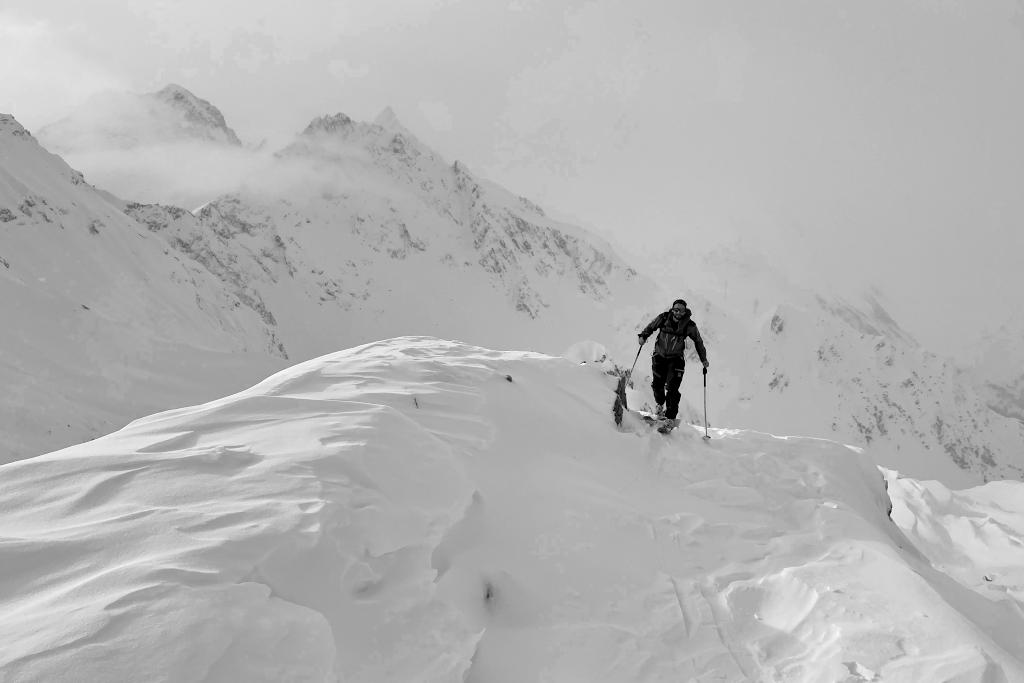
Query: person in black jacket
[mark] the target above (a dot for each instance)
(667, 362)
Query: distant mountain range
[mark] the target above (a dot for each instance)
(357, 231)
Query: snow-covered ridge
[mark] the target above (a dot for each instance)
(420, 509)
(18, 146)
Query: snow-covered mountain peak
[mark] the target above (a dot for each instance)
(168, 147)
(337, 137)
(126, 121)
(329, 124)
(204, 116)
(449, 214)
(385, 132)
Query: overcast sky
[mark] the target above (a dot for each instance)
(869, 141)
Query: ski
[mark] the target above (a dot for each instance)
(663, 424)
(668, 426)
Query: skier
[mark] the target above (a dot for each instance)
(667, 362)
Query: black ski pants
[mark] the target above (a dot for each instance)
(668, 375)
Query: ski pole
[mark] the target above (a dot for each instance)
(706, 404)
(630, 373)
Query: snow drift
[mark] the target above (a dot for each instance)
(418, 509)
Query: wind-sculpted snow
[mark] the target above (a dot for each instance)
(973, 535)
(417, 509)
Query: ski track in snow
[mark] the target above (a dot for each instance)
(417, 509)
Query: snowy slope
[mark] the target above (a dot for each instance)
(972, 535)
(786, 359)
(97, 311)
(417, 509)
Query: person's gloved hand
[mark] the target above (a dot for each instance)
(642, 339)
(706, 364)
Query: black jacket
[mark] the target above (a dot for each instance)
(672, 336)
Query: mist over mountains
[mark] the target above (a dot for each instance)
(128, 121)
(165, 146)
(357, 231)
